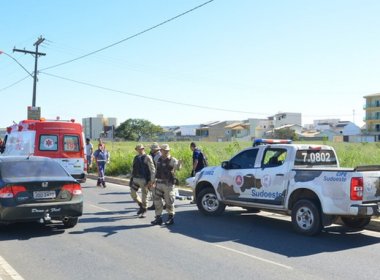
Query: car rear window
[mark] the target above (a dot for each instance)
(313, 157)
(28, 168)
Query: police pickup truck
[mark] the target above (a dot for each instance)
(301, 180)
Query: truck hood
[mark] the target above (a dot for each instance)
(209, 174)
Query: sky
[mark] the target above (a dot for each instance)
(182, 62)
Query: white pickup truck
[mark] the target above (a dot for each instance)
(302, 180)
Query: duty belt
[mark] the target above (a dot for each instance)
(162, 181)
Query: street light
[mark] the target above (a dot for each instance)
(1, 52)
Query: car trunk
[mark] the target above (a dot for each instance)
(39, 191)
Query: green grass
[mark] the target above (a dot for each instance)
(122, 154)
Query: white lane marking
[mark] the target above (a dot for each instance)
(254, 257)
(10, 272)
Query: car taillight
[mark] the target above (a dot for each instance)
(74, 189)
(356, 191)
(11, 191)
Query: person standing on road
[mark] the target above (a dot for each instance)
(155, 153)
(143, 175)
(199, 162)
(164, 189)
(2, 145)
(102, 157)
(89, 152)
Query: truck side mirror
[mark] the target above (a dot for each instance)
(225, 164)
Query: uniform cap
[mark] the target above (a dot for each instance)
(165, 147)
(139, 147)
(155, 146)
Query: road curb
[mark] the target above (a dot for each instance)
(186, 191)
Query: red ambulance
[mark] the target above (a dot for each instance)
(61, 140)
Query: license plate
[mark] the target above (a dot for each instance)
(44, 194)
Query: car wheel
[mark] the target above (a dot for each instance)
(356, 222)
(70, 222)
(306, 217)
(208, 203)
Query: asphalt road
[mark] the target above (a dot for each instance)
(110, 242)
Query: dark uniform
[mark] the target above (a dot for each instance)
(102, 157)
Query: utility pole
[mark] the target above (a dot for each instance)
(36, 54)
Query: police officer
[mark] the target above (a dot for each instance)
(155, 153)
(164, 189)
(143, 174)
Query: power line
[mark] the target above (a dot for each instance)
(130, 37)
(153, 98)
(176, 102)
(1, 52)
(13, 84)
(119, 42)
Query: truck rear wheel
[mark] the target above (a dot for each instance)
(208, 203)
(306, 217)
(356, 222)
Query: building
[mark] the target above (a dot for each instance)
(257, 127)
(215, 131)
(347, 128)
(372, 115)
(178, 133)
(281, 119)
(99, 127)
(237, 131)
(325, 124)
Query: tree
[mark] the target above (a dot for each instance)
(285, 133)
(135, 129)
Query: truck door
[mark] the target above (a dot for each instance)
(272, 177)
(238, 178)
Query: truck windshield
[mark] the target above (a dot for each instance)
(315, 157)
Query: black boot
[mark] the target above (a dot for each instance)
(141, 208)
(104, 184)
(170, 220)
(152, 207)
(157, 221)
(143, 213)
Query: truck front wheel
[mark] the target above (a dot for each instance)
(306, 217)
(208, 203)
(356, 222)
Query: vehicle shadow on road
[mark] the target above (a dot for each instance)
(26, 231)
(104, 217)
(267, 233)
(108, 230)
